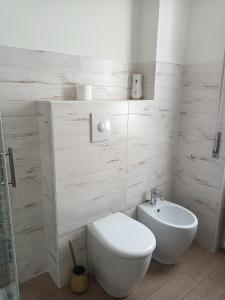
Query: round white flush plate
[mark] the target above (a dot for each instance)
(101, 127)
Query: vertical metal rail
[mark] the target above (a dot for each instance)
(218, 134)
(11, 166)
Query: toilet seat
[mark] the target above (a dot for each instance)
(123, 236)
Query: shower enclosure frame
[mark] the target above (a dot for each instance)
(7, 225)
(219, 139)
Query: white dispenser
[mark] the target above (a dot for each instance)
(137, 86)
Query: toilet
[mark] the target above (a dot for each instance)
(119, 251)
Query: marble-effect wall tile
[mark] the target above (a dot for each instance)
(25, 77)
(139, 157)
(96, 179)
(198, 178)
(48, 189)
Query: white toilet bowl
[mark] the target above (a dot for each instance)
(174, 228)
(119, 252)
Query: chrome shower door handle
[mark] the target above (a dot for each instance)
(217, 142)
(11, 167)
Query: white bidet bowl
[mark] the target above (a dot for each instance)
(174, 228)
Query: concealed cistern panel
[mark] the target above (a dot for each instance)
(100, 127)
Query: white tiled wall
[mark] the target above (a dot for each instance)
(94, 180)
(48, 189)
(140, 156)
(199, 179)
(146, 136)
(27, 76)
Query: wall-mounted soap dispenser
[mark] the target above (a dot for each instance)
(136, 93)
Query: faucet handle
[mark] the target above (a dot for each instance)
(148, 195)
(153, 191)
(156, 194)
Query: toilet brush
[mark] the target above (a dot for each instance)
(72, 254)
(79, 281)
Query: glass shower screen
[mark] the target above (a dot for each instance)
(8, 274)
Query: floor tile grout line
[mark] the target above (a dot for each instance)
(155, 290)
(185, 270)
(178, 273)
(194, 262)
(165, 283)
(198, 283)
(214, 279)
(220, 284)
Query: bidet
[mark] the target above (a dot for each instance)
(174, 228)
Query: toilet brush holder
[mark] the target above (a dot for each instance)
(79, 280)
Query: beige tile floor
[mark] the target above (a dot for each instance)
(198, 275)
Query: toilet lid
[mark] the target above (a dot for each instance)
(124, 236)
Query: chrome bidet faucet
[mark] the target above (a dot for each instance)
(155, 194)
